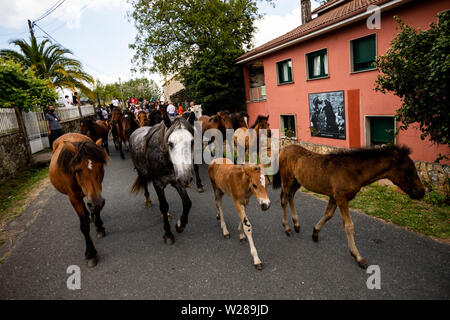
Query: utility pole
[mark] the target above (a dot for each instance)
(30, 26)
(121, 93)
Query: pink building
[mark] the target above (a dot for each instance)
(317, 82)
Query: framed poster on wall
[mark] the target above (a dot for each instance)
(327, 114)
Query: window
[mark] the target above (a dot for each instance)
(363, 51)
(287, 125)
(381, 130)
(257, 82)
(317, 63)
(284, 69)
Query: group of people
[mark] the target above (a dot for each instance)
(75, 101)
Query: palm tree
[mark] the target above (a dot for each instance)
(50, 61)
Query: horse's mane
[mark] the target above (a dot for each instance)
(372, 152)
(258, 120)
(179, 123)
(85, 149)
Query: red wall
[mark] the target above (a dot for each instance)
(360, 98)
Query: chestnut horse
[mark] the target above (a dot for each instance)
(220, 121)
(340, 176)
(95, 129)
(240, 182)
(142, 119)
(76, 169)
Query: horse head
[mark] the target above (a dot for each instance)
(179, 140)
(403, 173)
(225, 120)
(86, 161)
(258, 183)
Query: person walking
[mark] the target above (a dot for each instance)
(171, 110)
(53, 126)
(180, 109)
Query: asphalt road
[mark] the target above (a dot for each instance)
(134, 262)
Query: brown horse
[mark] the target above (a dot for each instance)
(340, 176)
(123, 125)
(95, 129)
(239, 182)
(220, 121)
(142, 119)
(76, 169)
(239, 120)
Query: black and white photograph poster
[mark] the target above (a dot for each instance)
(327, 114)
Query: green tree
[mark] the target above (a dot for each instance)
(141, 87)
(416, 68)
(198, 39)
(19, 86)
(51, 61)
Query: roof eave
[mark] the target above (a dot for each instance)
(340, 24)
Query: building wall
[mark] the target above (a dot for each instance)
(360, 98)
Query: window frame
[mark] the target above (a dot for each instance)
(367, 127)
(278, 71)
(315, 53)
(282, 125)
(352, 65)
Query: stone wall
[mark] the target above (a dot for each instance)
(430, 173)
(13, 154)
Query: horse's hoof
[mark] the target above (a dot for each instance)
(217, 216)
(169, 238)
(148, 203)
(258, 266)
(297, 229)
(289, 232)
(178, 227)
(169, 217)
(226, 236)
(362, 263)
(315, 235)
(243, 240)
(92, 262)
(101, 234)
(200, 190)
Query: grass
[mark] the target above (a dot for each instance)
(15, 190)
(428, 217)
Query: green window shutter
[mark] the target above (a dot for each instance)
(284, 71)
(381, 130)
(314, 70)
(364, 52)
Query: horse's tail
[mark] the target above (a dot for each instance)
(138, 184)
(276, 180)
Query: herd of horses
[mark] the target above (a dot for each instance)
(162, 151)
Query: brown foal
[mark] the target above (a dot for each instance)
(239, 182)
(340, 176)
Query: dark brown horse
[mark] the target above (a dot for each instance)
(95, 129)
(340, 176)
(239, 120)
(76, 170)
(123, 125)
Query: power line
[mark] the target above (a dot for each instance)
(49, 11)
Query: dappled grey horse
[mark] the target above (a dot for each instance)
(163, 154)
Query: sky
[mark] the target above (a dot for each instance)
(98, 31)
